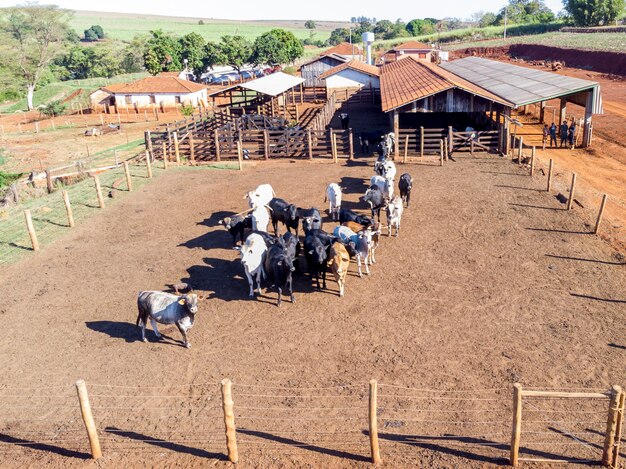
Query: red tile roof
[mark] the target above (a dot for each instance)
(409, 80)
(160, 84)
(412, 45)
(357, 65)
(345, 48)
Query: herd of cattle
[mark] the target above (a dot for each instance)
(274, 258)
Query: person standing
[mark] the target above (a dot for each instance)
(563, 133)
(553, 135)
(544, 139)
(571, 133)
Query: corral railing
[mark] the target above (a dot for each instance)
(421, 141)
(357, 421)
(483, 140)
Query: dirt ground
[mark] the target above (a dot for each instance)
(491, 282)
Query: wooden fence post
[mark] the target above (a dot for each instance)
(309, 141)
(218, 156)
(240, 155)
(49, 185)
(229, 420)
(266, 143)
(421, 141)
(532, 162)
(450, 140)
(129, 182)
(440, 152)
(517, 424)
(618, 429)
(176, 149)
(611, 427)
(599, 219)
(148, 165)
(446, 150)
(192, 149)
(570, 200)
(471, 146)
(68, 209)
(351, 145)
(406, 148)
(373, 422)
(96, 181)
(520, 150)
(333, 142)
(90, 426)
(550, 175)
(31, 230)
(164, 155)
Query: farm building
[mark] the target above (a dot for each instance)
(163, 91)
(352, 75)
(415, 49)
(337, 55)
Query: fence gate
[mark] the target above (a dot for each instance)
(554, 422)
(469, 141)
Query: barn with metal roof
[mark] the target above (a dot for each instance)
(522, 86)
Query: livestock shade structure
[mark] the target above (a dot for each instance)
(351, 75)
(330, 58)
(274, 84)
(522, 86)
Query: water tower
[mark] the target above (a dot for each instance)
(368, 39)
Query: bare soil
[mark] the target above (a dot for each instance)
(491, 282)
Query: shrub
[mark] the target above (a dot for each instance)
(186, 110)
(53, 109)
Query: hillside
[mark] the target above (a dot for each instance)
(125, 26)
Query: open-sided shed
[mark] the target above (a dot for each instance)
(522, 86)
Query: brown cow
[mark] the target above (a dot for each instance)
(339, 263)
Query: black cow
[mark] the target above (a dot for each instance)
(375, 197)
(291, 245)
(236, 226)
(349, 215)
(285, 213)
(406, 184)
(311, 219)
(316, 254)
(278, 268)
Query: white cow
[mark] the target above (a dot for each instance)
(384, 184)
(252, 257)
(394, 214)
(333, 195)
(389, 170)
(260, 218)
(260, 196)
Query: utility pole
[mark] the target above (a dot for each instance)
(506, 9)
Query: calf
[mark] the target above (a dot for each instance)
(311, 219)
(166, 308)
(394, 214)
(285, 213)
(236, 226)
(278, 267)
(357, 244)
(376, 199)
(260, 218)
(260, 196)
(316, 254)
(349, 215)
(405, 184)
(385, 185)
(339, 263)
(253, 254)
(379, 165)
(333, 195)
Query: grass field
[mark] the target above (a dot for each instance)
(608, 42)
(126, 26)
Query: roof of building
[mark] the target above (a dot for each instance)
(160, 84)
(518, 85)
(412, 45)
(357, 65)
(274, 84)
(409, 80)
(345, 48)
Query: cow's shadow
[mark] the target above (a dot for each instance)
(222, 278)
(352, 185)
(129, 332)
(217, 238)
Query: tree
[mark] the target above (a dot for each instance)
(338, 35)
(593, 12)
(131, 57)
(212, 55)
(88, 62)
(236, 51)
(526, 11)
(94, 33)
(276, 47)
(34, 36)
(488, 19)
(419, 27)
(192, 49)
(310, 24)
(162, 53)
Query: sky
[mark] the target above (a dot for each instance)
(337, 10)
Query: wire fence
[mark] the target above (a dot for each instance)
(343, 421)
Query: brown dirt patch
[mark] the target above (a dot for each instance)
(490, 282)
